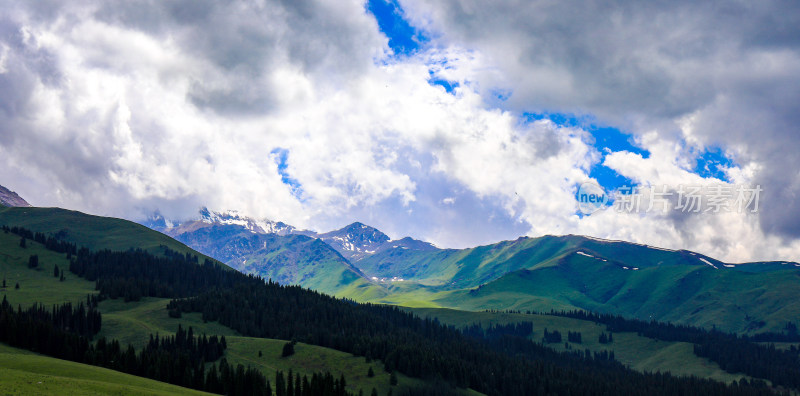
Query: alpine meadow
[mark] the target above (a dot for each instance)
(399, 198)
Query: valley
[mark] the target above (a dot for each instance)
(543, 274)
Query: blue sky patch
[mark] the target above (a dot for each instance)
(501, 94)
(403, 38)
(281, 156)
(449, 86)
(606, 140)
(712, 162)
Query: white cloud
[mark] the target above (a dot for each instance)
(122, 109)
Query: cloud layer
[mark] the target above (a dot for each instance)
(302, 112)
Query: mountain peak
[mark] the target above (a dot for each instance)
(10, 198)
(355, 240)
(208, 217)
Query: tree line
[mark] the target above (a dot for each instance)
(734, 353)
(421, 348)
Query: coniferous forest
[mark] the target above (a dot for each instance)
(499, 360)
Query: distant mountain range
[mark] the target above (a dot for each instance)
(244, 313)
(354, 242)
(548, 272)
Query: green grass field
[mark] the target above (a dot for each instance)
(698, 295)
(309, 359)
(39, 284)
(93, 232)
(639, 353)
(133, 322)
(26, 373)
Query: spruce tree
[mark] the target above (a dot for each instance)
(288, 349)
(33, 261)
(370, 373)
(290, 383)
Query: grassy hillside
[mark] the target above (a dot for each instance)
(640, 353)
(21, 371)
(698, 295)
(26, 373)
(93, 232)
(133, 322)
(458, 269)
(569, 281)
(574, 272)
(39, 284)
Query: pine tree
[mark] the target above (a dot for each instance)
(33, 261)
(288, 349)
(370, 373)
(17, 286)
(280, 384)
(290, 384)
(55, 271)
(22, 243)
(374, 392)
(393, 379)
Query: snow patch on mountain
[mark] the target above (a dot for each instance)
(708, 262)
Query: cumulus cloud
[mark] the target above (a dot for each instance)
(125, 108)
(714, 74)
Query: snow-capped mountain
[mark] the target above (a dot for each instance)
(263, 226)
(355, 240)
(208, 217)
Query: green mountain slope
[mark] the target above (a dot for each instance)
(93, 232)
(574, 272)
(699, 295)
(455, 269)
(640, 353)
(26, 373)
(37, 284)
(288, 259)
(133, 322)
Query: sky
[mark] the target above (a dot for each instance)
(453, 121)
